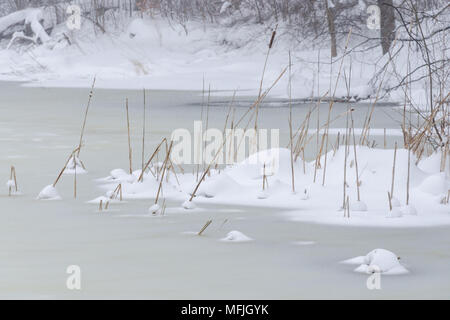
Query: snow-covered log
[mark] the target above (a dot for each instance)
(31, 17)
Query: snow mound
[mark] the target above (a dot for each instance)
(49, 193)
(358, 206)
(155, 209)
(409, 210)
(217, 184)
(435, 184)
(188, 205)
(378, 260)
(236, 236)
(10, 184)
(394, 213)
(262, 194)
(395, 202)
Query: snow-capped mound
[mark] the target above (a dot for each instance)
(435, 184)
(358, 206)
(188, 205)
(236, 236)
(120, 175)
(155, 209)
(409, 210)
(217, 184)
(378, 260)
(49, 193)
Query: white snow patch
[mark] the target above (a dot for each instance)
(236, 236)
(378, 260)
(49, 193)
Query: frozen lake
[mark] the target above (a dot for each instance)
(126, 253)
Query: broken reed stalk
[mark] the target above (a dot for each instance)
(390, 201)
(163, 207)
(258, 101)
(100, 207)
(163, 172)
(65, 166)
(393, 170)
(141, 177)
(129, 139)
(290, 124)
(91, 93)
(116, 193)
(204, 227)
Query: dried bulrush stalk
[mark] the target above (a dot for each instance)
(258, 101)
(390, 201)
(348, 207)
(409, 166)
(143, 132)
(272, 40)
(393, 171)
(207, 224)
(290, 123)
(163, 207)
(74, 178)
(264, 181)
(163, 172)
(356, 162)
(129, 139)
(91, 93)
(347, 134)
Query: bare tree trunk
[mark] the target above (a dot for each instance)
(331, 29)
(387, 24)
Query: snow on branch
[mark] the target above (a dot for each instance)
(31, 17)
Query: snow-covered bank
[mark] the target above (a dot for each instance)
(155, 54)
(241, 184)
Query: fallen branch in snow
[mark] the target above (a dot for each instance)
(31, 19)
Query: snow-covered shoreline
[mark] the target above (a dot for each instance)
(156, 55)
